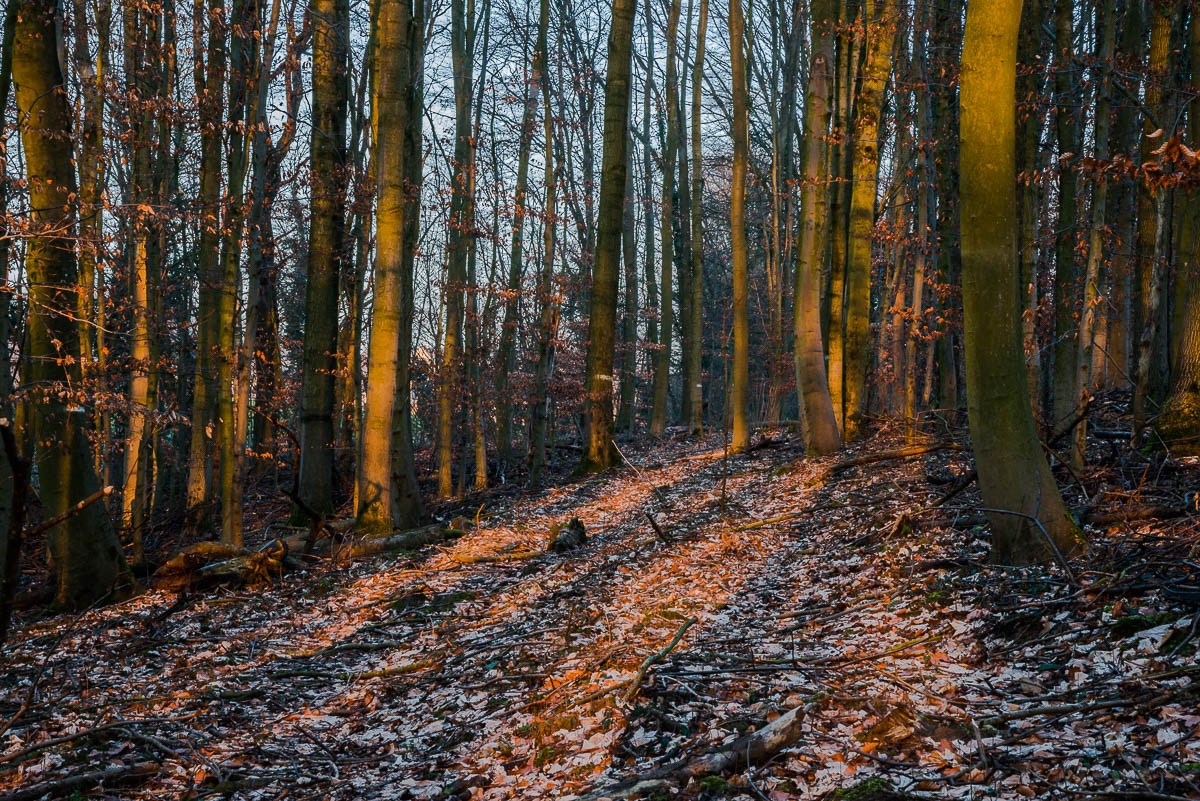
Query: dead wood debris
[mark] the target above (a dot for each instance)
(482, 667)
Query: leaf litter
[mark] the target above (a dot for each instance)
(489, 668)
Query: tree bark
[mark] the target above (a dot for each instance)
(820, 424)
(1014, 476)
(87, 558)
(602, 319)
(326, 251)
(881, 29)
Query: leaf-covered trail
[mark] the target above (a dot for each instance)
(476, 670)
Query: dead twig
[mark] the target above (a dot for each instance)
(78, 781)
(16, 756)
(640, 676)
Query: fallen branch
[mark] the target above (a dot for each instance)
(640, 676)
(16, 756)
(78, 781)
(884, 456)
(755, 747)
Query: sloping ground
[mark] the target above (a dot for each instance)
(486, 670)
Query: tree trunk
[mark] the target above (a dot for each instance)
(820, 424)
(548, 320)
(877, 67)
(209, 77)
(740, 387)
(693, 341)
(1014, 477)
(662, 356)
(506, 358)
(1092, 296)
(87, 558)
(326, 251)
(1067, 100)
(602, 319)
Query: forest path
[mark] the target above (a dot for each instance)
(445, 675)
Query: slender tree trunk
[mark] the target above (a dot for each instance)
(626, 415)
(881, 30)
(240, 53)
(546, 296)
(662, 356)
(506, 358)
(693, 342)
(598, 371)
(1151, 248)
(1066, 275)
(1014, 477)
(462, 23)
(740, 386)
(209, 77)
(1092, 296)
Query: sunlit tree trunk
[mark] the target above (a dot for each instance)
(602, 319)
(242, 31)
(394, 37)
(881, 27)
(1014, 477)
(739, 392)
(143, 50)
(406, 505)
(820, 424)
(86, 556)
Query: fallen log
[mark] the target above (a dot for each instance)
(207, 564)
(397, 541)
(81, 781)
(884, 456)
(754, 748)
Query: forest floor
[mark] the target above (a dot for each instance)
(487, 668)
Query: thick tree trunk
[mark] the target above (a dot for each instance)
(820, 424)
(87, 558)
(1014, 477)
(377, 484)
(326, 251)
